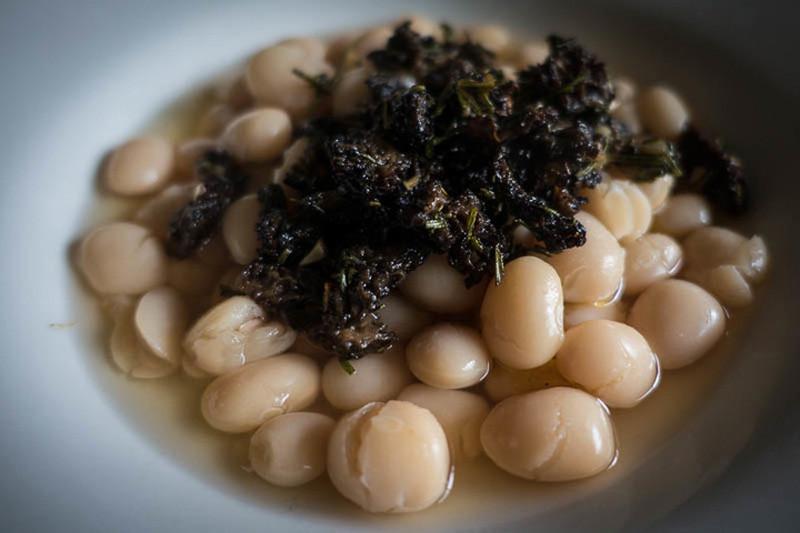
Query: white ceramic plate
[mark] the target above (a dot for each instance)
(84, 449)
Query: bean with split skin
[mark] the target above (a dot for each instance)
(390, 458)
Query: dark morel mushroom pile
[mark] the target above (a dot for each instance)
(448, 157)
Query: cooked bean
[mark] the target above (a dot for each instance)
(503, 382)
(650, 258)
(128, 353)
(621, 207)
(448, 356)
(592, 272)
(460, 414)
(532, 53)
(368, 42)
(245, 398)
(557, 434)
(239, 228)
(752, 259)
(314, 48)
(627, 114)
(624, 90)
(657, 191)
(291, 157)
(728, 284)
(189, 152)
(610, 360)
(725, 263)
(662, 112)
(140, 166)
(234, 333)
(711, 246)
(122, 258)
(440, 288)
(390, 458)
(258, 135)
(575, 314)
(403, 317)
(272, 79)
(156, 213)
(494, 38)
(289, 450)
(522, 318)
(424, 26)
(351, 93)
(682, 214)
(377, 377)
(160, 320)
(680, 321)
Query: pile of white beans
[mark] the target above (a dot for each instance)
(528, 372)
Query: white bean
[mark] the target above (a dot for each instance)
(522, 318)
(650, 258)
(440, 288)
(621, 207)
(657, 191)
(258, 135)
(122, 258)
(592, 272)
(390, 458)
(239, 228)
(460, 414)
(610, 360)
(680, 321)
(245, 398)
(662, 112)
(532, 53)
(682, 214)
(290, 450)
(711, 246)
(234, 333)
(728, 284)
(351, 94)
(272, 80)
(140, 166)
(160, 320)
(403, 317)
(128, 353)
(377, 377)
(557, 434)
(157, 213)
(189, 152)
(448, 356)
(493, 37)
